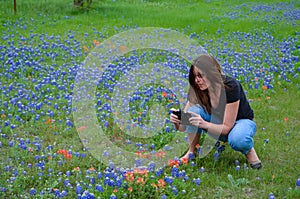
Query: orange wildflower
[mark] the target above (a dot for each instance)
(130, 189)
(164, 94)
(92, 168)
(140, 181)
(161, 183)
(3, 116)
(81, 128)
(160, 154)
(129, 176)
(124, 49)
(265, 87)
(86, 49)
(141, 172)
(148, 155)
(185, 161)
(172, 163)
(286, 119)
(68, 156)
(76, 169)
(96, 43)
(49, 121)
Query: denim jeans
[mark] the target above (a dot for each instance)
(240, 137)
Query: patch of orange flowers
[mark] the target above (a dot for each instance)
(65, 153)
(49, 121)
(140, 180)
(160, 184)
(185, 161)
(172, 163)
(96, 43)
(160, 154)
(137, 174)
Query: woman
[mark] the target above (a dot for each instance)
(219, 106)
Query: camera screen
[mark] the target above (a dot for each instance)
(185, 118)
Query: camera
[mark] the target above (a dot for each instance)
(184, 117)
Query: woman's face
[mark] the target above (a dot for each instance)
(201, 79)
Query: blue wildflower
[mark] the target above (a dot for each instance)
(32, 191)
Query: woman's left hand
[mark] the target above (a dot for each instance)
(198, 121)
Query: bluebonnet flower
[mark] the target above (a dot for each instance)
(112, 196)
(271, 196)
(175, 171)
(216, 156)
(202, 169)
(68, 173)
(197, 181)
(79, 189)
(266, 141)
(11, 143)
(32, 191)
(175, 190)
(92, 180)
(164, 196)
(99, 188)
(168, 180)
(298, 182)
(236, 162)
(186, 178)
(159, 172)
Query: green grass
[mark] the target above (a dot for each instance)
(280, 155)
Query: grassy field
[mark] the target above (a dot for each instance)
(42, 48)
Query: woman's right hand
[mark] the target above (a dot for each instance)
(174, 118)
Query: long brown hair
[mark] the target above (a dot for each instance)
(212, 69)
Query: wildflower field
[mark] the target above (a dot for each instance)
(48, 151)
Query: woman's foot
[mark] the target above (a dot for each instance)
(253, 159)
(188, 156)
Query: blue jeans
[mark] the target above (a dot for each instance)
(240, 137)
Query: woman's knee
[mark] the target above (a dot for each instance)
(240, 143)
(240, 137)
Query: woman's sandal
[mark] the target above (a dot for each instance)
(256, 165)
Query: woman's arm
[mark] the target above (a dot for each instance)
(230, 115)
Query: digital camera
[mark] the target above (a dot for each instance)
(184, 117)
